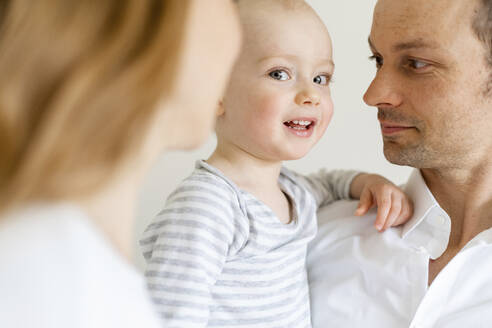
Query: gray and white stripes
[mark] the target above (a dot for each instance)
(218, 257)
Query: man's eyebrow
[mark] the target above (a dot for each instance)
(414, 44)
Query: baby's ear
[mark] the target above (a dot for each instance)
(220, 109)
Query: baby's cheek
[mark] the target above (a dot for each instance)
(270, 107)
(329, 111)
(327, 114)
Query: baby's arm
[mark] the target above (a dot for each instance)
(394, 207)
(186, 247)
(328, 186)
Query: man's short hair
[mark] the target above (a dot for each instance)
(482, 25)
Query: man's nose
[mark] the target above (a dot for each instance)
(383, 91)
(308, 96)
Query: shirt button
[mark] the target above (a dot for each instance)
(441, 219)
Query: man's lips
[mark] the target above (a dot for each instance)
(393, 128)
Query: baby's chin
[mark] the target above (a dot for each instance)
(295, 155)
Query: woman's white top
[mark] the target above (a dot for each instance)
(58, 270)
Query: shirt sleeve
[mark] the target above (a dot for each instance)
(186, 247)
(329, 186)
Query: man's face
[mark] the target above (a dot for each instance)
(430, 86)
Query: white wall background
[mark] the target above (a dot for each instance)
(353, 139)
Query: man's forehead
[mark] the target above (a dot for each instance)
(421, 23)
(424, 13)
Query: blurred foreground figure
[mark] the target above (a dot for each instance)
(91, 92)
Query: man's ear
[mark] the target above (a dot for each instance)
(220, 109)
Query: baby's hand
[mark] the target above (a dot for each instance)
(394, 207)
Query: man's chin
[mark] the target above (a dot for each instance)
(396, 155)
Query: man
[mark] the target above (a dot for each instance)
(433, 91)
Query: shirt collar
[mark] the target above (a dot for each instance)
(483, 238)
(430, 226)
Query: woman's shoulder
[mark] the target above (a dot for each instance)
(58, 270)
(44, 236)
(57, 236)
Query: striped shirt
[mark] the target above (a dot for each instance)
(218, 257)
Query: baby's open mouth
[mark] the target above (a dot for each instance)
(299, 125)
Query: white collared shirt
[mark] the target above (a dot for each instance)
(362, 278)
(58, 270)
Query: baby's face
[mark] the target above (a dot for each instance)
(278, 102)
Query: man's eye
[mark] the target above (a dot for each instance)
(417, 64)
(279, 75)
(322, 79)
(378, 60)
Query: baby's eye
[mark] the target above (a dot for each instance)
(322, 79)
(279, 75)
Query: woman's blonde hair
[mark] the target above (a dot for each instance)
(79, 83)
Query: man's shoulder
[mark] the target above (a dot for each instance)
(338, 219)
(339, 228)
(332, 211)
(340, 215)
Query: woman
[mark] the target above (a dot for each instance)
(91, 92)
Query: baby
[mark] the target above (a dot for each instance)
(229, 248)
